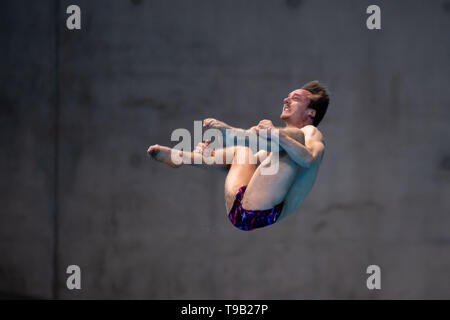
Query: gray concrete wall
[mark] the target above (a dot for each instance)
(27, 152)
(140, 69)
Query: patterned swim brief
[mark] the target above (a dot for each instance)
(251, 219)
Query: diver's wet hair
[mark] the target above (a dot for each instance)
(319, 100)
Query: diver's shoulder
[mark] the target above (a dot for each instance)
(312, 132)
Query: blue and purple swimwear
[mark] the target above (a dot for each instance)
(251, 219)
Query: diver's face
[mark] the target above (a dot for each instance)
(295, 107)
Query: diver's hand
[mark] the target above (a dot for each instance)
(211, 123)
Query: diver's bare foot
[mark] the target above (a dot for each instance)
(162, 154)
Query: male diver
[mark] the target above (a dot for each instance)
(254, 199)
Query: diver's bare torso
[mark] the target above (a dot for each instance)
(302, 184)
(297, 180)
